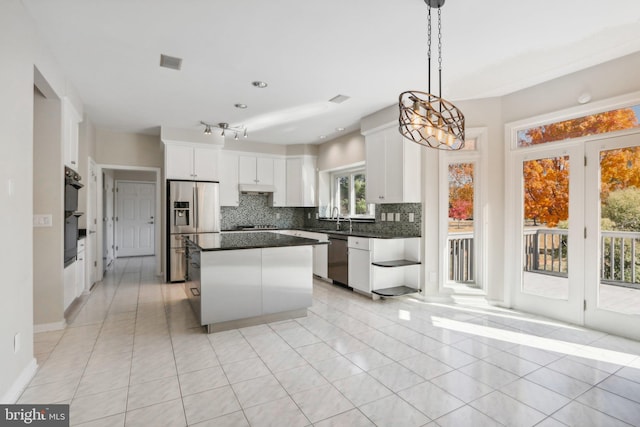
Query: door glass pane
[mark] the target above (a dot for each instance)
(546, 227)
(460, 238)
(619, 287)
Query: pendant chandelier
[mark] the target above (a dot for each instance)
(428, 119)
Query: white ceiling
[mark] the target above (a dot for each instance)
(310, 51)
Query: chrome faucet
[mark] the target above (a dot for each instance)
(337, 212)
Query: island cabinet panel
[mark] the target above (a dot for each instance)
(234, 290)
(286, 278)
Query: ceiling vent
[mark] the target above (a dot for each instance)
(339, 99)
(172, 62)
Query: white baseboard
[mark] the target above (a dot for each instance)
(18, 386)
(46, 327)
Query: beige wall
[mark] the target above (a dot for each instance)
(341, 152)
(255, 147)
(20, 56)
(617, 77)
(126, 175)
(48, 198)
(128, 149)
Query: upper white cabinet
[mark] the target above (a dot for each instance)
(393, 167)
(255, 170)
(229, 194)
(70, 122)
(301, 181)
(279, 198)
(192, 162)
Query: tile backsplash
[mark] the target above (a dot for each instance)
(403, 226)
(257, 210)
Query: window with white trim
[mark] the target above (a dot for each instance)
(348, 190)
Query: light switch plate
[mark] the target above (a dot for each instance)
(411, 217)
(397, 216)
(43, 220)
(383, 216)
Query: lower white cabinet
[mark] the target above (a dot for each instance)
(70, 278)
(81, 267)
(359, 268)
(376, 264)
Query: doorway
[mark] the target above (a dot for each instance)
(576, 237)
(108, 236)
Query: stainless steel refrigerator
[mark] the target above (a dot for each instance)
(193, 207)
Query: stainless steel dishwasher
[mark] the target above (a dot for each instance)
(338, 259)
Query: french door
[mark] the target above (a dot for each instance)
(612, 256)
(546, 236)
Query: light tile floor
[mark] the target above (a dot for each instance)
(133, 355)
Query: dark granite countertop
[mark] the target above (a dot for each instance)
(367, 234)
(248, 240)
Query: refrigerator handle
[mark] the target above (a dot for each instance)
(196, 207)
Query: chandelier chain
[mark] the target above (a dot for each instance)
(429, 49)
(439, 40)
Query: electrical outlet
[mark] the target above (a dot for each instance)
(383, 216)
(317, 215)
(16, 342)
(10, 187)
(412, 217)
(397, 216)
(277, 216)
(309, 215)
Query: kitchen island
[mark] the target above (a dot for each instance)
(242, 279)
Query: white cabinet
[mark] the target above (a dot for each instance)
(279, 197)
(255, 170)
(377, 264)
(393, 167)
(192, 162)
(69, 277)
(81, 267)
(359, 264)
(301, 181)
(70, 122)
(229, 194)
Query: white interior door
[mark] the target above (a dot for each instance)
(108, 219)
(612, 258)
(547, 243)
(135, 228)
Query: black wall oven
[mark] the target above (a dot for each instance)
(71, 187)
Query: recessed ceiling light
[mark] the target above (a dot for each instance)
(241, 106)
(339, 129)
(339, 99)
(323, 136)
(260, 84)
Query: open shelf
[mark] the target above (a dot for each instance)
(395, 263)
(395, 291)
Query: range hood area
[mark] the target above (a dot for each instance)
(256, 188)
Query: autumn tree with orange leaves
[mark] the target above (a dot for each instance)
(461, 191)
(547, 180)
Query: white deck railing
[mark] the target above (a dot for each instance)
(546, 250)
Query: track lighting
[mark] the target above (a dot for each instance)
(225, 127)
